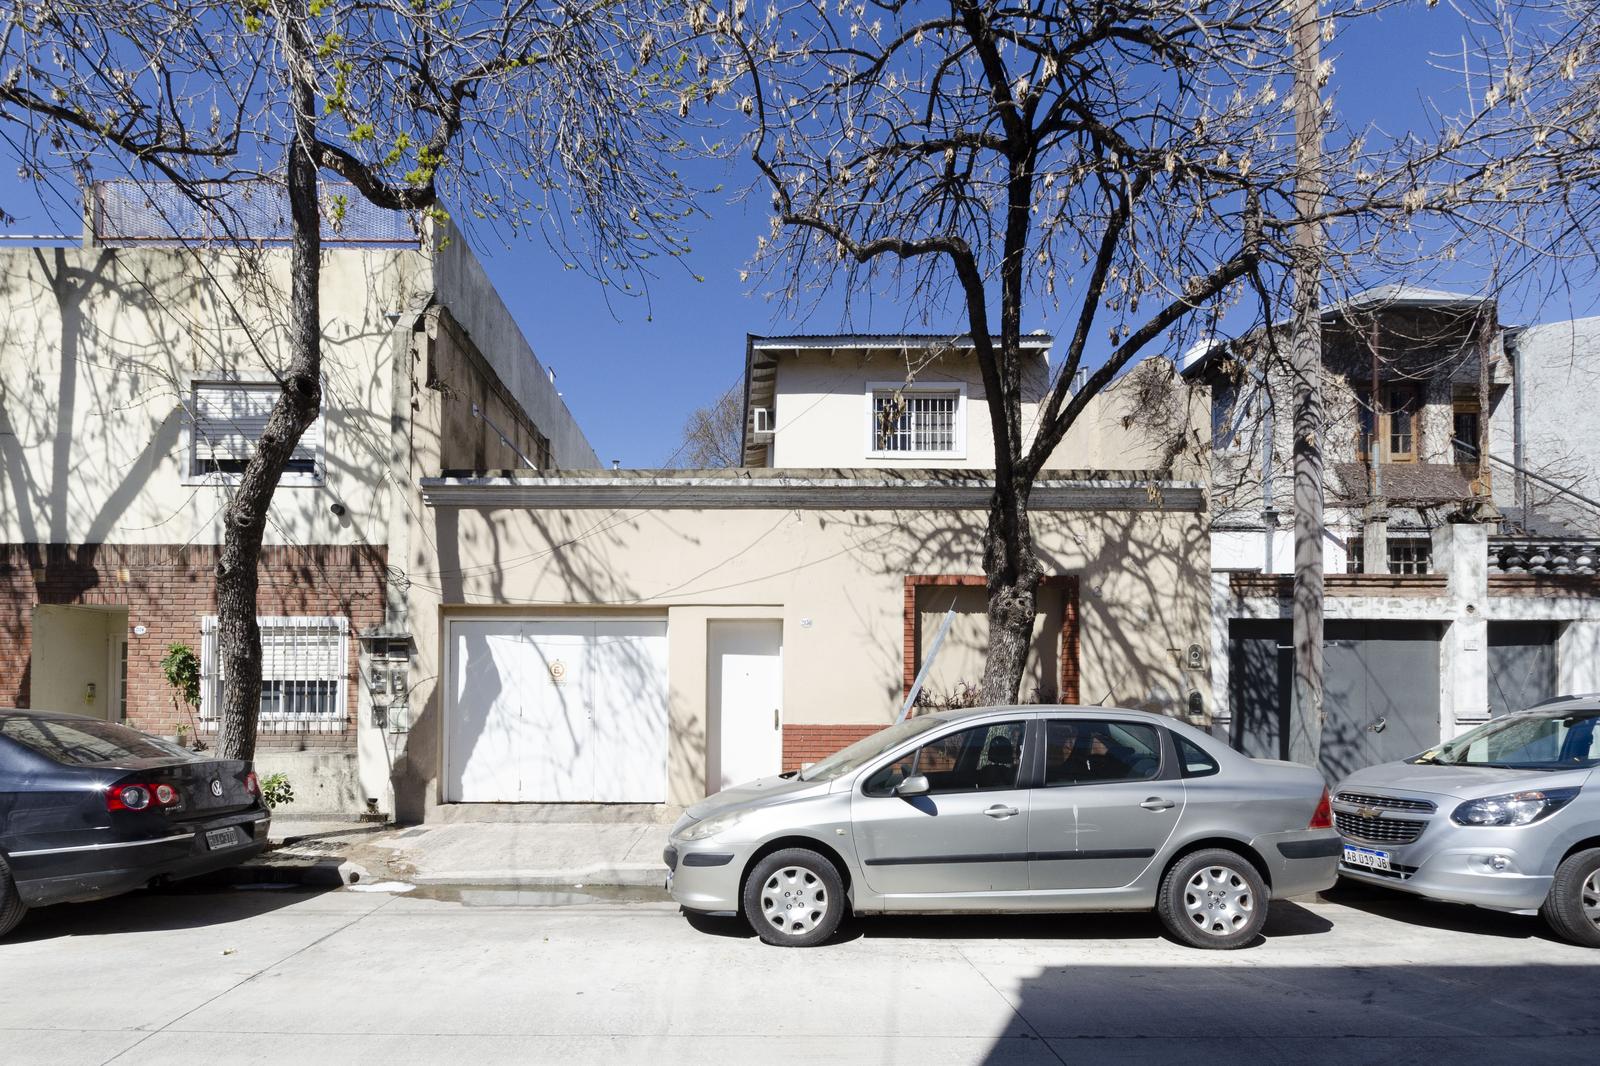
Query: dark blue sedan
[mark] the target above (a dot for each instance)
(89, 809)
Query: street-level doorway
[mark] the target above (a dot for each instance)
(78, 661)
(556, 710)
(1380, 690)
(744, 696)
(1522, 664)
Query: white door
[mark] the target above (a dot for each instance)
(745, 692)
(557, 711)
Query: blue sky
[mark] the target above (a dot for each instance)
(631, 372)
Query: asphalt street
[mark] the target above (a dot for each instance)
(502, 976)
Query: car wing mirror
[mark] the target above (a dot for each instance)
(915, 785)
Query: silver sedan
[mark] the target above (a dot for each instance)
(1013, 809)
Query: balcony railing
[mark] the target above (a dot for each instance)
(1543, 555)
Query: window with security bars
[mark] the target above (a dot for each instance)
(302, 674)
(1407, 555)
(229, 418)
(915, 422)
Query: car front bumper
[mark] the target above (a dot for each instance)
(1460, 871)
(705, 875)
(97, 871)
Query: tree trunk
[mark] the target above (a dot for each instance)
(245, 518)
(1013, 574)
(1305, 726)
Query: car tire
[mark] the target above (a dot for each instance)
(1573, 907)
(1213, 899)
(794, 898)
(11, 906)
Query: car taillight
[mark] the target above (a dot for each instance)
(140, 797)
(251, 785)
(1323, 818)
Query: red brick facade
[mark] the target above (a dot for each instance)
(167, 589)
(808, 743)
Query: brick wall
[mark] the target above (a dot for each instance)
(808, 743)
(167, 589)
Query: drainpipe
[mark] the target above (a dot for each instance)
(1519, 452)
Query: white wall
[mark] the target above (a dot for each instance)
(98, 350)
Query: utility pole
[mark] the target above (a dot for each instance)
(1305, 365)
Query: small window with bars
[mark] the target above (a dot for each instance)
(916, 422)
(302, 674)
(228, 420)
(1407, 555)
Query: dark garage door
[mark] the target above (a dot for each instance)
(1522, 664)
(1381, 691)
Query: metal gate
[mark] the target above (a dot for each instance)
(1381, 690)
(1522, 664)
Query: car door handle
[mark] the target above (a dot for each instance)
(999, 811)
(1156, 803)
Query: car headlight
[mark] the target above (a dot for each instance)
(1515, 808)
(710, 827)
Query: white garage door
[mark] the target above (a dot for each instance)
(557, 711)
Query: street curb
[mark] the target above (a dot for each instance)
(630, 875)
(327, 872)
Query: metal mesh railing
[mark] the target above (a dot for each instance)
(123, 212)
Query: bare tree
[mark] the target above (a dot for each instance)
(1129, 164)
(713, 436)
(520, 115)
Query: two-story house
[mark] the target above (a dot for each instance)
(650, 636)
(1456, 587)
(134, 380)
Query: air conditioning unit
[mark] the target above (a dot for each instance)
(761, 418)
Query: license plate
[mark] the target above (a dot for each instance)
(1371, 858)
(217, 839)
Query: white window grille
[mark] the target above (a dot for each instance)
(303, 673)
(916, 421)
(229, 418)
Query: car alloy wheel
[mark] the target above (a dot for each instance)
(794, 898)
(1573, 907)
(1213, 899)
(1218, 901)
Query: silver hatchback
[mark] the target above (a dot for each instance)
(1506, 816)
(1013, 809)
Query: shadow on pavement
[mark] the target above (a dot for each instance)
(1239, 1010)
(1435, 914)
(176, 906)
(1285, 919)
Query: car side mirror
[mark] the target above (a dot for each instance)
(915, 785)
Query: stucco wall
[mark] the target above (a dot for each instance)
(1559, 365)
(465, 289)
(835, 578)
(822, 414)
(98, 350)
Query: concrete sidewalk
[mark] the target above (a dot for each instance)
(463, 853)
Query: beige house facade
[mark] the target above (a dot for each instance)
(649, 637)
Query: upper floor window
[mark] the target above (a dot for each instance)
(229, 417)
(1393, 425)
(917, 421)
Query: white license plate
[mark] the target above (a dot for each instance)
(217, 839)
(1371, 858)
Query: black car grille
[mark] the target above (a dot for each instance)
(1385, 803)
(1378, 830)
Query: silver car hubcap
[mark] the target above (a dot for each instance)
(1591, 898)
(794, 900)
(1218, 900)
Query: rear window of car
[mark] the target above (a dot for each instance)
(86, 743)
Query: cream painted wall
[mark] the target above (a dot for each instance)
(821, 411)
(98, 349)
(835, 578)
(72, 649)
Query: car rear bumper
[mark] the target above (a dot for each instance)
(97, 871)
(1301, 862)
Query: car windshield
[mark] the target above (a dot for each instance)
(866, 749)
(86, 742)
(1535, 741)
